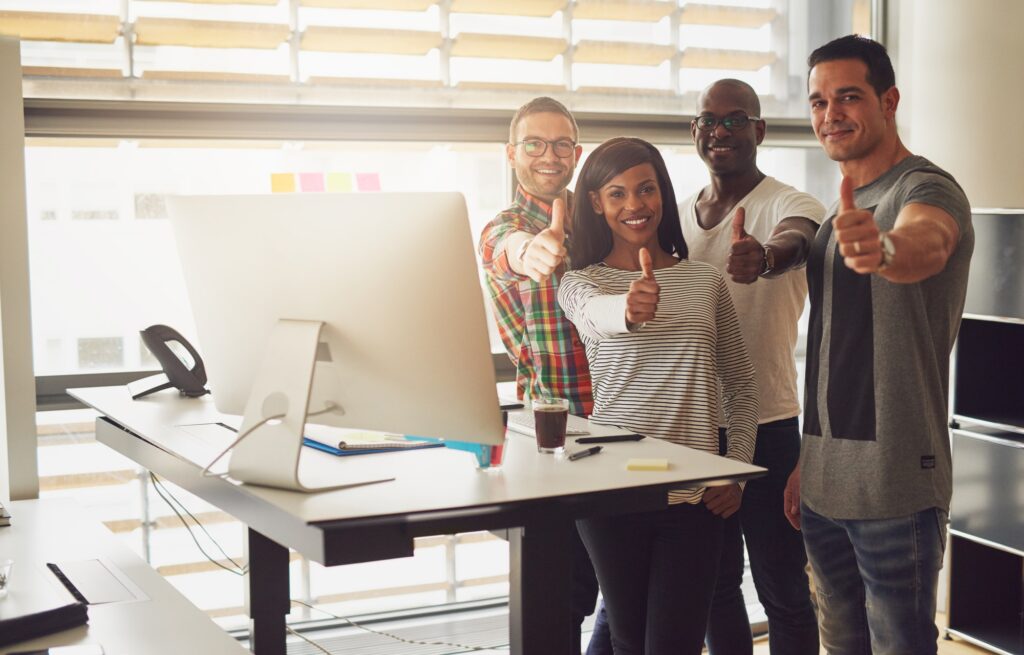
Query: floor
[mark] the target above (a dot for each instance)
(486, 630)
(953, 647)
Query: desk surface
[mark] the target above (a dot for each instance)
(163, 624)
(427, 482)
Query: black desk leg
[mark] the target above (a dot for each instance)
(268, 598)
(539, 577)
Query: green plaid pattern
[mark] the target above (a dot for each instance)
(540, 340)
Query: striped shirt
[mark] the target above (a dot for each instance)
(549, 357)
(661, 379)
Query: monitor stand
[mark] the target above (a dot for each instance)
(269, 455)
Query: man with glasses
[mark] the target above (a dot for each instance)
(757, 231)
(523, 255)
(888, 277)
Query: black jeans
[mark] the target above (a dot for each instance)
(657, 572)
(583, 592)
(777, 557)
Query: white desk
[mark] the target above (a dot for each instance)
(436, 491)
(163, 624)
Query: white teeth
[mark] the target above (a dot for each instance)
(635, 221)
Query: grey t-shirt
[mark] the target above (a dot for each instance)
(876, 442)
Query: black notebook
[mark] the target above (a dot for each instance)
(37, 604)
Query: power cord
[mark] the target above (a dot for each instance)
(240, 570)
(242, 435)
(169, 498)
(395, 637)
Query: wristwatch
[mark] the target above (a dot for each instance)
(767, 261)
(888, 249)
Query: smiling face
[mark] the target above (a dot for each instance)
(728, 152)
(850, 120)
(546, 176)
(631, 205)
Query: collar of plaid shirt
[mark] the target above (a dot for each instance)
(540, 210)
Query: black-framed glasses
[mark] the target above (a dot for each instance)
(537, 147)
(731, 123)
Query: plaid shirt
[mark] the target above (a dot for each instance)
(549, 357)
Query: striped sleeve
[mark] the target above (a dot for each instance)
(737, 376)
(595, 314)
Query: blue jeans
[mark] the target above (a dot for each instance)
(657, 572)
(601, 637)
(876, 581)
(777, 557)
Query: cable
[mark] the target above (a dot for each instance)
(307, 640)
(166, 496)
(206, 470)
(242, 435)
(388, 634)
(159, 486)
(240, 570)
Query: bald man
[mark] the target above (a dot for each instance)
(758, 232)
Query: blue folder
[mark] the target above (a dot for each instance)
(306, 441)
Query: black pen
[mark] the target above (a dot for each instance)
(593, 450)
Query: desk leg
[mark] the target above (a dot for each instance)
(267, 597)
(539, 577)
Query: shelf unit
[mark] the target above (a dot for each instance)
(986, 577)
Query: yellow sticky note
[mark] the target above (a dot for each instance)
(654, 464)
(339, 181)
(282, 182)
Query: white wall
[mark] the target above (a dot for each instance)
(18, 469)
(960, 70)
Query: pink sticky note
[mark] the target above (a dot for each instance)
(311, 181)
(368, 181)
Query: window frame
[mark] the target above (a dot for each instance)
(138, 119)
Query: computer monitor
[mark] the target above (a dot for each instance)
(359, 310)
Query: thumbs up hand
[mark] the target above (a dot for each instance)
(746, 256)
(642, 298)
(547, 250)
(856, 233)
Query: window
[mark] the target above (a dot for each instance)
(631, 56)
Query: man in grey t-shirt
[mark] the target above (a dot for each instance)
(887, 277)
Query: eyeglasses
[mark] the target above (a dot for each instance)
(537, 147)
(731, 123)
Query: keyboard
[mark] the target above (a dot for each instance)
(523, 422)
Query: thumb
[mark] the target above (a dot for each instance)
(738, 231)
(558, 216)
(646, 265)
(846, 202)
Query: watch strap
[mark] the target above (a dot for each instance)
(767, 260)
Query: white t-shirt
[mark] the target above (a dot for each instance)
(768, 309)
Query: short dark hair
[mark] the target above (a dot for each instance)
(541, 105)
(591, 238)
(881, 76)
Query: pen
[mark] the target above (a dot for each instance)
(593, 450)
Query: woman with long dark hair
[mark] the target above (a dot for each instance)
(661, 335)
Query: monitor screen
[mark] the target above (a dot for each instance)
(392, 277)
